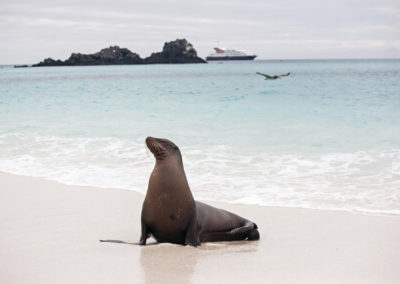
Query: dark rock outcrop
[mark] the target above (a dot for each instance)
(112, 55)
(178, 51)
(49, 62)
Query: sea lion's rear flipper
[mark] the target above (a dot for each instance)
(250, 235)
(249, 230)
(192, 237)
(247, 227)
(253, 235)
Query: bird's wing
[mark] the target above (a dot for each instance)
(265, 75)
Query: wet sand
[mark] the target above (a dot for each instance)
(50, 232)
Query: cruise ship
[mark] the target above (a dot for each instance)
(230, 54)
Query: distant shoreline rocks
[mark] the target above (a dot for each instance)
(174, 52)
(178, 51)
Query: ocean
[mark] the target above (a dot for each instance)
(325, 137)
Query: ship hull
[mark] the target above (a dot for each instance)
(226, 58)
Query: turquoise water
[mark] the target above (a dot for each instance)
(327, 136)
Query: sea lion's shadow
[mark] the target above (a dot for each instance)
(156, 258)
(185, 261)
(231, 246)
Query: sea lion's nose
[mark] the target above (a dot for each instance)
(148, 140)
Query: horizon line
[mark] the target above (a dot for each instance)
(259, 59)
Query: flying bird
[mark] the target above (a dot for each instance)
(273, 77)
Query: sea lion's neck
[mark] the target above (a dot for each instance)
(168, 176)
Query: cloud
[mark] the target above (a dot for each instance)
(30, 31)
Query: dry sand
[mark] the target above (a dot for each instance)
(49, 233)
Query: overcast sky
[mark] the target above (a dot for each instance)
(31, 30)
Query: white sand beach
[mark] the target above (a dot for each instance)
(50, 232)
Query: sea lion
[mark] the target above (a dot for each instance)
(171, 214)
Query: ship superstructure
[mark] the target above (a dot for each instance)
(230, 54)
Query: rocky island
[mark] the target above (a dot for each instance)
(112, 55)
(178, 51)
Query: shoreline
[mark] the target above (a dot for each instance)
(50, 232)
(365, 212)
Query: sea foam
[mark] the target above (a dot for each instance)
(361, 181)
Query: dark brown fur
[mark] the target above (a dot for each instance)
(170, 213)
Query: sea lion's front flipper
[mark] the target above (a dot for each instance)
(144, 235)
(117, 242)
(192, 234)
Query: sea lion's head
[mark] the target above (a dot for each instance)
(162, 148)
